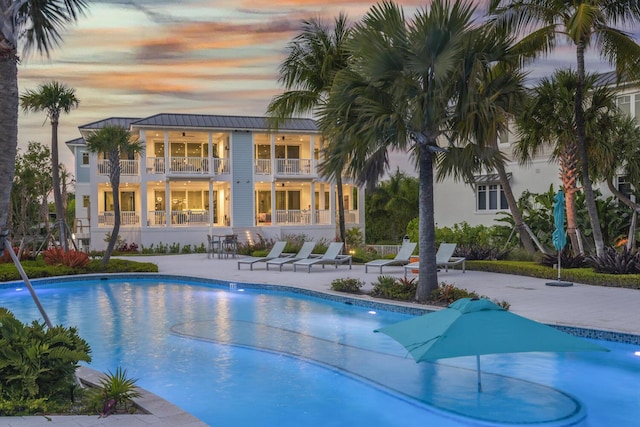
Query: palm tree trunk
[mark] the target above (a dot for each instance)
(428, 275)
(523, 232)
(589, 195)
(114, 177)
(341, 225)
(57, 194)
(568, 171)
(8, 131)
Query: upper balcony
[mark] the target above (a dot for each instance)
(127, 167)
(286, 167)
(188, 166)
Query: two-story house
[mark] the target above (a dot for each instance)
(209, 174)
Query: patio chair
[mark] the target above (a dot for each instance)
(331, 256)
(402, 258)
(444, 259)
(275, 252)
(230, 245)
(304, 252)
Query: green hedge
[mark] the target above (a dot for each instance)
(578, 275)
(38, 269)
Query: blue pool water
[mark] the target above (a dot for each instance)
(265, 358)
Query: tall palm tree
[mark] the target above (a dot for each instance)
(549, 121)
(397, 93)
(38, 25)
(113, 142)
(315, 56)
(496, 92)
(583, 23)
(53, 98)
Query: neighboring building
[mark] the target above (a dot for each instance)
(478, 202)
(207, 174)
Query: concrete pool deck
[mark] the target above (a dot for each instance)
(584, 306)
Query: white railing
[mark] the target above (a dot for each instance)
(197, 217)
(189, 165)
(293, 216)
(126, 218)
(221, 166)
(350, 216)
(155, 165)
(263, 167)
(295, 167)
(157, 218)
(383, 250)
(323, 216)
(127, 167)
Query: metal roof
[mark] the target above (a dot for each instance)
(125, 122)
(222, 122)
(76, 141)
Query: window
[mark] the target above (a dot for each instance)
(625, 187)
(86, 200)
(490, 197)
(85, 158)
(624, 104)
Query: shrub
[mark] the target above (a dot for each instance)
(37, 362)
(567, 259)
(446, 293)
(116, 391)
(397, 289)
(73, 259)
(616, 262)
(347, 285)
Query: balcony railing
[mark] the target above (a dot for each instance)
(295, 167)
(178, 218)
(188, 166)
(127, 167)
(293, 216)
(263, 167)
(126, 218)
(350, 216)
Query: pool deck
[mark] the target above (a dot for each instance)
(584, 306)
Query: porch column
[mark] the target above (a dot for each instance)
(273, 201)
(210, 164)
(142, 157)
(212, 203)
(167, 205)
(313, 202)
(332, 204)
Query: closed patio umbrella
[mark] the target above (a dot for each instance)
(473, 327)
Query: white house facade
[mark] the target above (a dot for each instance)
(480, 201)
(209, 174)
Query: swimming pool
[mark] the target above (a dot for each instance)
(318, 362)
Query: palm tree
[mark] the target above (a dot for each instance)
(583, 23)
(53, 98)
(113, 141)
(549, 121)
(315, 56)
(497, 92)
(37, 25)
(397, 93)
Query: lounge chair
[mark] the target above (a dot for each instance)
(276, 251)
(444, 259)
(402, 258)
(331, 256)
(304, 252)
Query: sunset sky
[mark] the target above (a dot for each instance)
(143, 57)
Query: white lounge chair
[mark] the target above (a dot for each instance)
(402, 258)
(304, 252)
(276, 251)
(331, 256)
(444, 259)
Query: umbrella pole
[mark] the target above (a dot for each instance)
(478, 369)
(559, 266)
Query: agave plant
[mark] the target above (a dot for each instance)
(614, 261)
(117, 391)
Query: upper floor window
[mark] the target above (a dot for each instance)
(625, 187)
(490, 197)
(85, 158)
(630, 104)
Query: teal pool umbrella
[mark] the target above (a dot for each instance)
(559, 237)
(473, 327)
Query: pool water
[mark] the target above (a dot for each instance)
(266, 358)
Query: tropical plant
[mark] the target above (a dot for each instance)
(584, 23)
(614, 261)
(38, 362)
(32, 181)
(392, 288)
(53, 98)
(390, 207)
(116, 391)
(494, 90)
(315, 56)
(548, 120)
(113, 142)
(350, 285)
(397, 93)
(34, 25)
